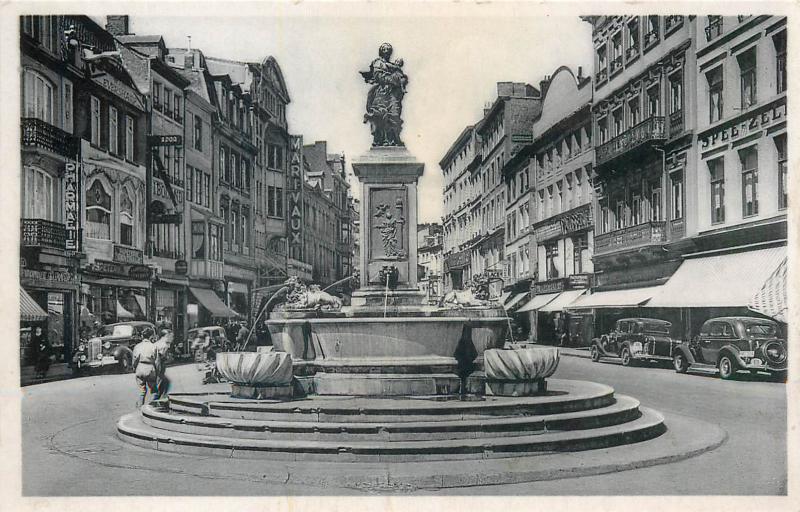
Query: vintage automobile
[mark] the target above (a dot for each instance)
(635, 339)
(730, 344)
(112, 346)
(196, 339)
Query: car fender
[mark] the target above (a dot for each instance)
(683, 349)
(733, 352)
(122, 351)
(600, 344)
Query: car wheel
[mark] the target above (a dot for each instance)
(125, 364)
(625, 355)
(727, 368)
(680, 363)
(595, 352)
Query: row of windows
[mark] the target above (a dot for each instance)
(566, 194)
(198, 187)
(167, 101)
(100, 212)
(570, 145)
(631, 113)
(111, 129)
(555, 267)
(207, 241)
(237, 225)
(234, 168)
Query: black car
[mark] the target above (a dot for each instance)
(112, 346)
(635, 339)
(730, 344)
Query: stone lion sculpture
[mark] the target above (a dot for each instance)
(476, 295)
(301, 296)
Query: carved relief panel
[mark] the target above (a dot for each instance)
(388, 224)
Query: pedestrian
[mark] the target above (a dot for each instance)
(241, 336)
(163, 346)
(42, 351)
(146, 366)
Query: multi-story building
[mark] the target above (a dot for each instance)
(145, 57)
(644, 129)
(561, 238)
(461, 220)
(504, 129)
(737, 196)
(430, 260)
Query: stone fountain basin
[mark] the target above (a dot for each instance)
(256, 368)
(381, 338)
(519, 365)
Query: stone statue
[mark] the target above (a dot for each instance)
(300, 296)
(391, 229)
(476, 295)
(385, 98)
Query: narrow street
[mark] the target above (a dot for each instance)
(751, 461)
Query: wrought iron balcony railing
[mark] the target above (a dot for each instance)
(42, 233)
(42, 134)
(651, 129)
(630, 237)
(207, 269)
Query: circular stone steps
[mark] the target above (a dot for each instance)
(573, 415)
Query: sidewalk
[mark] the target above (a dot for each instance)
(57, 371)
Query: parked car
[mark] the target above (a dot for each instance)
(730, 344)
(635, 339)
(113, 345)
(196, 339)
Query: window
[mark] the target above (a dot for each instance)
(224, 213)
(635, 111)
(245, 238)
(224, 174)
(98, 212)
(234, 227)
(651, 37)
(783, 175)
(713, 27)
(653, 101)
(676, 183)
(602, 129)
(716, 169)
(198, 240)
(234, 170)
(199, 181)
(749, 159)
(129, 133)
(616, 48)
(197, 140)
(619, 122)
(620, 217)
(177, 108)
(126, 219)
(95, 121)
(676, 92)
(66, 104)
(157, 96)
(113, 130)
(207, 190)
(747, 69)
(275, 156)
(605, 217)
(38, 97)
(167, 101)
(39, 195)
(190, 184)
(633, 38)
(655, 203)
(636, 210)
(580, 253)
(245, 174)
(602, 63)
(215, 248)
(780, 61)
(551, 254)
(714, 78)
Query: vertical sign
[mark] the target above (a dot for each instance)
(294, 197)
(71, 207)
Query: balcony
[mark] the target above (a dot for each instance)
(676, 123)
(677, 229)
(631, 237)
(631, 53)
(616, 64)
(601, 75)
(672, 22)
(714, 28)
(42, 134)
(207, 269)
(42, 233)
(649, 130)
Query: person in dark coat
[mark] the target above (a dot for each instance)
(42, 351)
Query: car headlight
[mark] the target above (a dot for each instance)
(107, 345)
(636, 347)
(775, 352)
(99, 356)
(81, 347)
(83, 357)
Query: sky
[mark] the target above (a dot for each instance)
(453, 62)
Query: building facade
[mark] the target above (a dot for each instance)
(430, 260)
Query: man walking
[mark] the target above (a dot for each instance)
(147, 366)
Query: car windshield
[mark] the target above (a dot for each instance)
(117, 330)
(761, 330)
(657, 327)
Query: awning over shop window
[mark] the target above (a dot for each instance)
(209, 300)
(29, 310)
(629, 298)
(122, 283)
(562, 301)
(515, 300)
(771, 300)
(123, 313)
(724, 280)
(537, 302)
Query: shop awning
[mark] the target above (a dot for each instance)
(504, 297)
(629, 298)
(212, 303)
(515, 300)
(29, 310)
(724, 280)
(562, 301)
(537, 302)
(122, 283)
(177, 281)
(123, 313)
(771, 300)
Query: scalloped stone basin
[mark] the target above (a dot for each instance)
(519, 372)
(260, 369)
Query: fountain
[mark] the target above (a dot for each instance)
(389, 378)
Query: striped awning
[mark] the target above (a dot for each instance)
(514, 301)
(771, 300)
(29, 310)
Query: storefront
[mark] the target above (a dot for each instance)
(170, 301)
(209, 307)
(456, 268)
(238, 298)
(547, 310)
(116, 291)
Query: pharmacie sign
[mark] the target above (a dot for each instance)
(72, 207)
(750, 124)
(294, 192)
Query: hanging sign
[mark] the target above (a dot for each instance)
(71, 207)
(294, 196)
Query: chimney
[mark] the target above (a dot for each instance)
(580, 73)
(188, 57)
(544, 85)
(118, 25)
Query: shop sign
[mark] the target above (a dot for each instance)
(107, 267)
(457, 260)
(761, 118)
(181, 267)
(160, 192)
(580, 280)
(124, 254)
(552, 286)
(493, 274)
(164, 140)
(71, 207)
(48, 277)
(548, 231)
(118, 88)
(565, 223)
(139, 273)
(294, 194)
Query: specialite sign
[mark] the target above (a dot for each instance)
(294, 196)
